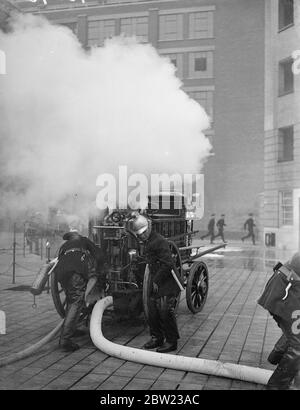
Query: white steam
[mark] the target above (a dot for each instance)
(67, 115)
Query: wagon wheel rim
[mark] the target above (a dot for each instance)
(198, 292)
(60, 299)
(63, 298)
(62, 295)
(58, 295)
(197, 287)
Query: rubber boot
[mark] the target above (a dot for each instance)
(284, 373)
(70, 323)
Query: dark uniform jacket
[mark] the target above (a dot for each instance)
(160, 262)
(250, 223)
(74, 256)
(211, 225)
(281, 296)
(220, 224)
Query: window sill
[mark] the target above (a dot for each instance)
(201, 38)
(285, 160)
(283, 93)
(206, 77)
(162, 40)
(285, 27)
(188, 39)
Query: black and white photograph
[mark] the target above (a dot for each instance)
(149, 198)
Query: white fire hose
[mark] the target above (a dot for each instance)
(188, 364)
(4, 361)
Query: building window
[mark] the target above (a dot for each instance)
(286, 77)
(286, 13)
(201, 25)
(286, 208)
(205, 99)
(100, 30)
(177, 60)
(286, 144)
(171, 27)
(135, 26)
(201, 64)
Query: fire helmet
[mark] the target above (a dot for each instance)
(294, 263)
(72, 234)
(138, 224)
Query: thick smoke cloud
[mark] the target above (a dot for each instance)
(67, 115)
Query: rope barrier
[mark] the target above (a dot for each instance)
(23, 267)
(7, 270)
(41, 246)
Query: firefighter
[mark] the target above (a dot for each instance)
(165, 291)
(220, 225)
(281, 298)
(249, 224)
(211, 229)
(73, 274)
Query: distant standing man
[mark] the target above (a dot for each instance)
(220, 225)
(210, 228)
(249, 224)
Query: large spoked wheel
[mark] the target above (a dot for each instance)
(60, 301)
(147, 283)
(197, 287)
(58, 295)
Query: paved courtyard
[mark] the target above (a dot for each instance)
(231, 328)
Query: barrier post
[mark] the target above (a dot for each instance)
(48, 247)
(41, 247)
(14, 255)
(24, 240)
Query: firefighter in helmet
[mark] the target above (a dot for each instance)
(281, 297)
(73, 273)
(165, 290)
